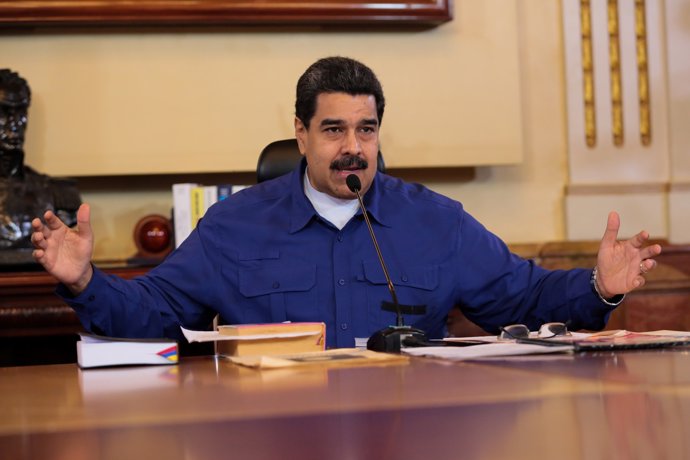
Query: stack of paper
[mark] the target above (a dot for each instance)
(263, 339)
(98, 351)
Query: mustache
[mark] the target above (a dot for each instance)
(349, 162)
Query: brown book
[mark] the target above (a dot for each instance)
(271, 339)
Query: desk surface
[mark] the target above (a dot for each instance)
(633, 404)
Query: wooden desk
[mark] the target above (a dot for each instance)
(633, 404)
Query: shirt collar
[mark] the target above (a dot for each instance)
(302, 211)
(373, 201)
(337, 211)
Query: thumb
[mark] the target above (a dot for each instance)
(84, 220)
(612, 226)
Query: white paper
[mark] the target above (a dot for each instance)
(211, 336)
(485, 351)
(669, 333)
(494, 338)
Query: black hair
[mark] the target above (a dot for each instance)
(14, 90)
(336, 75)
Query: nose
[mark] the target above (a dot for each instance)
(12, 125)
(352, 144)
(16, 122)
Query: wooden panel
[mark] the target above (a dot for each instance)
(662, 303)
(36, 327)
(29, 306)
(222, 12)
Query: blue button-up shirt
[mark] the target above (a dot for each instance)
(265, 255)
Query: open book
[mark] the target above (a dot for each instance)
(604, 340)
(621, 340)
(489, 347)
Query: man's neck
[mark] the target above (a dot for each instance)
(337, 211)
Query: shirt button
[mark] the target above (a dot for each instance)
(341, 282)
(340, 237)
(343, 326)
(404, 278)
(276, 285)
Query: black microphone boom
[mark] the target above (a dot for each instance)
(355, 186)
(392, 338)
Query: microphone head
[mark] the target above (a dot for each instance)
(353, 183)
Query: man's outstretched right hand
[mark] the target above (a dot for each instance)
(65, 252)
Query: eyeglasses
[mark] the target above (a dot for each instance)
(520, 331)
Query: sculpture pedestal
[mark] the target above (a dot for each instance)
(14, 260)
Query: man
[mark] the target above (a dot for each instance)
(24, 193)
(297, 248)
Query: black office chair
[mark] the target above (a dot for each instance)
(281, 157)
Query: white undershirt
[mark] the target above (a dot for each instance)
(337, 211)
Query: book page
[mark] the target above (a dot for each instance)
(340, 356)
(210, 336)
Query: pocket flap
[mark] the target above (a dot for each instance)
(276, 278)
(258, 254)
(420, 277)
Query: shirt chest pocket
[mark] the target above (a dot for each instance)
(414, 286)
(419, 277)
(276, 278)
(278, 291)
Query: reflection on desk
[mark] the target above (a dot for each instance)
(632, 404)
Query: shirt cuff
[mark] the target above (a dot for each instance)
(85, 298)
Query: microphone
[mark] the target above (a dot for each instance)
(392, 338)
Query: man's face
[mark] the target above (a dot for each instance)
(343, 136)
(12, 126)
(12, 129)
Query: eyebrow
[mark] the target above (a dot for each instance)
(331, 121)
(339, 122)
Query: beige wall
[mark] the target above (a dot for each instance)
(638, 162)
(484, 88)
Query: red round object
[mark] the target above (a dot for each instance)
(153, 235)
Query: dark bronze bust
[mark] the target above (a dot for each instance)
(24, 193)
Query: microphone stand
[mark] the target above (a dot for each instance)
(392, 338)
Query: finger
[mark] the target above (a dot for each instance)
(647, 265)
(39, 240)
(53, 222)
(639, 240)
(650, 251)
(38, 254)
(638, 282)
(39, 227)
(36, 224)
(613, 224)
(84, 220)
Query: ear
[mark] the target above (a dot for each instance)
(301, 135)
